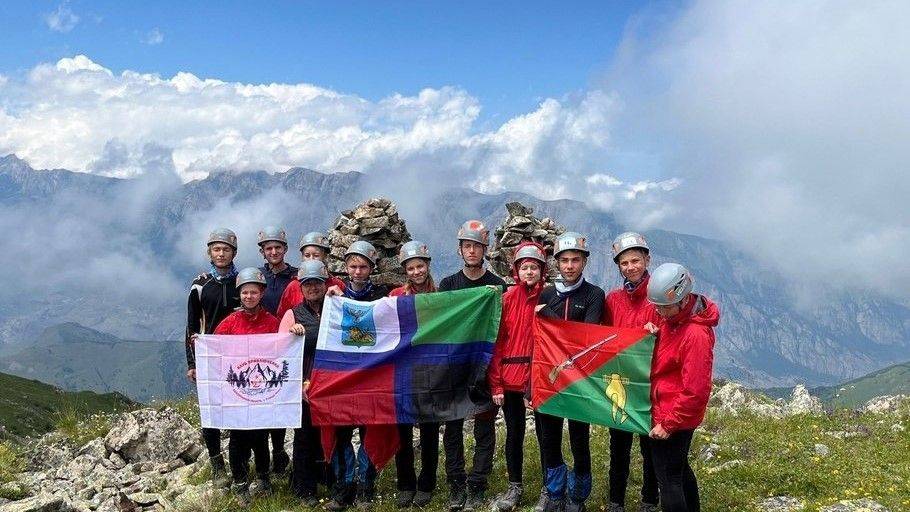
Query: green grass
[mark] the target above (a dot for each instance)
(31, 408)
(10, 464)
(778, 458)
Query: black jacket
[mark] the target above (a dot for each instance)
(583, 304)
(309, 319)
(275, 285)
(210, 301)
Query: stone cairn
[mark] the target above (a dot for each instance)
(376, 221)
(520, 224)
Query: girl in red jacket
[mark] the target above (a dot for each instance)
(680, 380)
(252, 318)
(510, 368)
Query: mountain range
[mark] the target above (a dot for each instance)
(768, 335)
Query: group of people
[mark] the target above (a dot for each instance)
(251, 301)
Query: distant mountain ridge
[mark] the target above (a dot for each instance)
(764, 339)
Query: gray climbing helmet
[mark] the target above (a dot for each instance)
(272, 234)
(363, 248)
(250, 275)
(312, 269)
(223, 236)
(530, 251)
(571, 241)
(315, 238)
(413, 249)
(626, 241)
(670, 283)
(475, 231)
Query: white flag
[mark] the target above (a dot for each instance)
(250, 381)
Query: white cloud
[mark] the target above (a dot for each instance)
(79, 115)
(62, 19)
(789, 122)
(153, 37)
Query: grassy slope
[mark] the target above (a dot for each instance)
(777, 458)
(892, 380)
(29, 407)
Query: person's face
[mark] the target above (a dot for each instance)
(669, 311)
(312, 252)
(313, 289)
(250, 295)
(472, 252)
(529, 272)
(417, 270)
(571, 264)
(273, 252)
(357, 267)
(221, 254)
(632, 264)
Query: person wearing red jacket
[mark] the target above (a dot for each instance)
(313, 246)
(628, 306)
(416, 490)
(252, 318)
(510, 369)
(680, 380)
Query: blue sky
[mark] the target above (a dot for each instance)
(509, 55)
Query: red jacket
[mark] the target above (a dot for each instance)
(682, 365)
(241, 322)
(510, 368)
(630, 309)
(397, 292)
(293, 296)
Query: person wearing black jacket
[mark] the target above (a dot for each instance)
(572, 298)
(303, 320)
(466, 491)
(360, 262)
(273, 245)
(213, 296)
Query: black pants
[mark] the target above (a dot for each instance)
(678, 486)
(212, 439)
(308, 462)
(551, 443)
(484, 447)
(620, 455)
(277, 435)
(429, 458)
(242, 443)
(513, 410)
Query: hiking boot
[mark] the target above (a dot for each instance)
(309, 501)
(648, 507)
(575, 506)
(404, 499)
(475, 500)
(241, 492)
(615, 507)
(261, 487)
(554, 504)
(457, 497)
(422, 498)
(336, 505)
(510, 499)
(365, 495)
(541, 500)
(220, 476)
(280, 462)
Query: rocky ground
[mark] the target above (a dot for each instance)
(752, 453)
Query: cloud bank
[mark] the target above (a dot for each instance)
(780, 126)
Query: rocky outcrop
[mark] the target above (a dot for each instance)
(886, 404)
(376, 221)
(733, 398)
(141, 464)
(520, 225)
